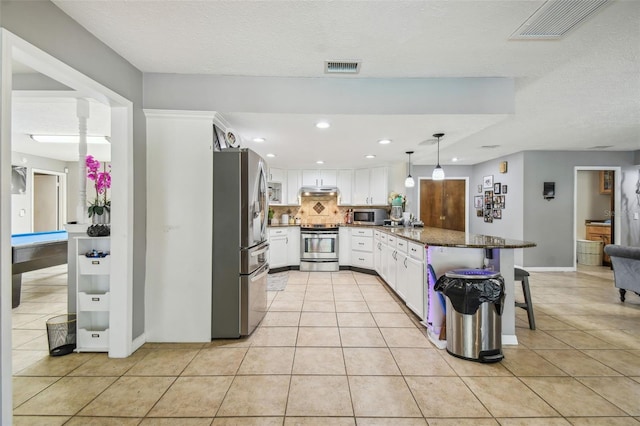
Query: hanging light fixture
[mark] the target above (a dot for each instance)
(438, 172)
(409, 182)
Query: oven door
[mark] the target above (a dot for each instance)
(319, 245)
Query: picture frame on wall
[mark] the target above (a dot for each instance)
(488, 181)
(477, 201)
(496, 188)
(504, 189)
(497, 214)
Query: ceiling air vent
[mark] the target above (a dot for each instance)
(341, 67)
(555, 18)
(489, 146)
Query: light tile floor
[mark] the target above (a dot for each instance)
(338, 349)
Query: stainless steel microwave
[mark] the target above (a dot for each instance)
(370, 216)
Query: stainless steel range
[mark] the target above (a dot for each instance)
(319, 247)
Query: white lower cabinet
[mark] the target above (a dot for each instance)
(293, 246)
(416, 291)
(344, 246)
(377, 251)
(362, 248)
(417, 280)
(402, 266)
(284, 247)
(278, 253)
(93, 298)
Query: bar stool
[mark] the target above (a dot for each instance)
(523, 276)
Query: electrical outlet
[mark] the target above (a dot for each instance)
(636, 216)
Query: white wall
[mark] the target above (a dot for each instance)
(179, 239)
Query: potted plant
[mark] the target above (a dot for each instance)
(271, 213)
(100, 208)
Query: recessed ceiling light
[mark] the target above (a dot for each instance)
(319, 162)
(454, 159)
(271, 155)
(384, 141)
(259, 139)
(323, 125)
(369, 156)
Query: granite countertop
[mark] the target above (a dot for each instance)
(447, 238)
(282, 225)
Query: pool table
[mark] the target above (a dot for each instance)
(35, 251)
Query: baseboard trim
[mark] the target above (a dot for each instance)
(138, 342)
(550, 269)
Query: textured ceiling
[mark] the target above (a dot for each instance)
(575, 93)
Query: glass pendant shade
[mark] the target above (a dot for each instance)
(438, 173)
(409, 182)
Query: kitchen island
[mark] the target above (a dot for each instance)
(446, 250)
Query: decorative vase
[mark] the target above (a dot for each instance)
(397, 201)
(101, 219)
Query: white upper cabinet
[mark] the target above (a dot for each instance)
(319, 178)
(370, 186)
(378, 192)
(345, 185)
(294, 182)
(277, 175)
(361, 184)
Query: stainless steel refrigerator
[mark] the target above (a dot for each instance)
(240, 247)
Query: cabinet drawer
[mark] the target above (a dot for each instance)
(94, 265)
(362, 243)
(599, 230)
(402, 245)
(93, 339)
(391, 241)
(383, 237)
(362, 260)
(93, 302)
(362, 232)
(277, 232)
(416, 251)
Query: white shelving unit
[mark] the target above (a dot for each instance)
(93, 298)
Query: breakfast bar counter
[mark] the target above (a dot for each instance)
(447, 238)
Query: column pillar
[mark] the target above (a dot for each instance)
(83, 115)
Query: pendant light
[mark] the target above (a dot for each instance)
(438, 172)
(409, 182)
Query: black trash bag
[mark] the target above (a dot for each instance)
(466, 295)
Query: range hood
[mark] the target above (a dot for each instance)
(315, 191)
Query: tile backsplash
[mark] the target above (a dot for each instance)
(315, 209)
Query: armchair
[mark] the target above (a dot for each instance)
(626, 268)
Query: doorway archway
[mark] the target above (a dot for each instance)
(14, 48)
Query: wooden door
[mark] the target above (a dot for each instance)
(442, 204)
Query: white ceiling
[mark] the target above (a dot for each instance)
(572, 94)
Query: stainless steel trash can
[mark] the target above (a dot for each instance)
(474, 305)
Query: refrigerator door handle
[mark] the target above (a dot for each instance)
(259, 252)
(260, 276)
